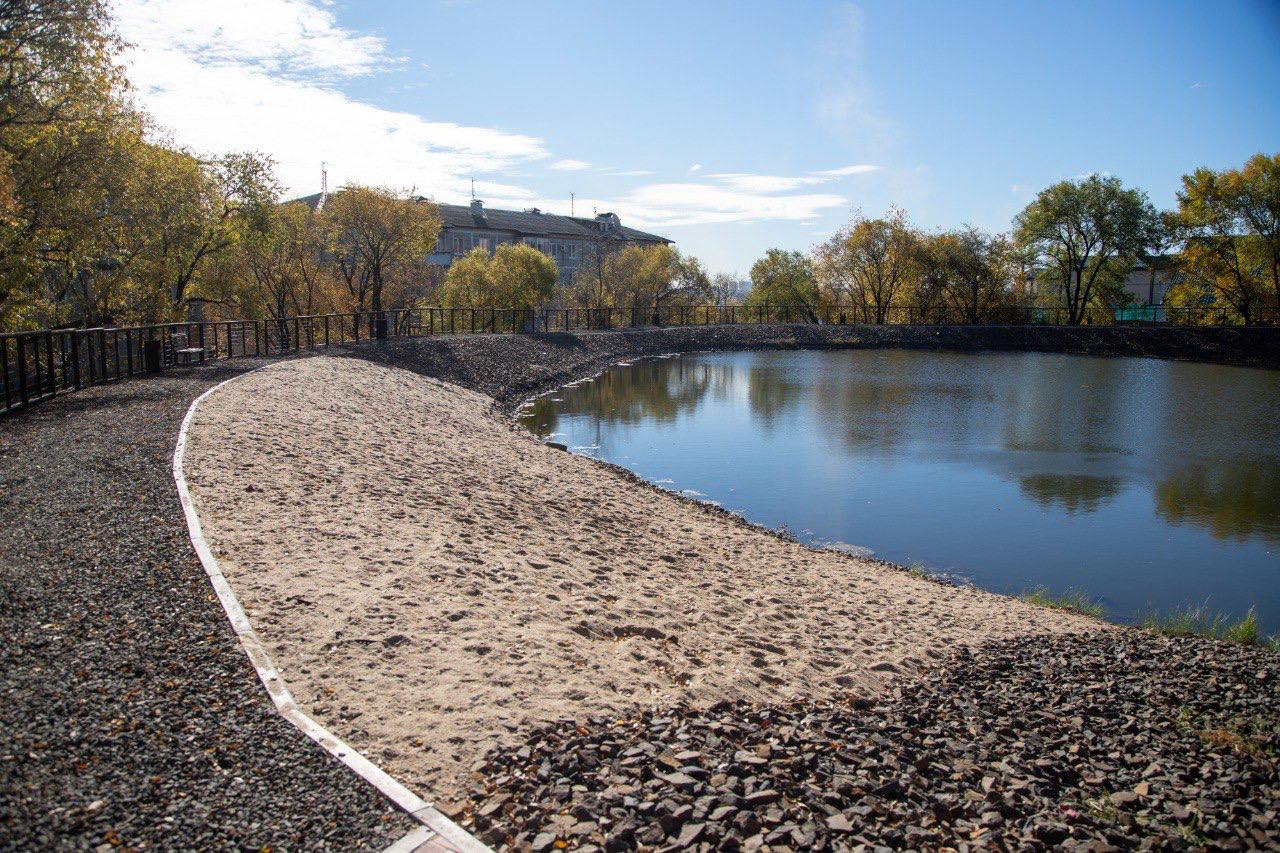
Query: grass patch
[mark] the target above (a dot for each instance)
(1201, 622)
(917, 570)
(1253, 736)
(1101, 808)
(1073, 601)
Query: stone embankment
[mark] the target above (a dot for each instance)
(510, 368)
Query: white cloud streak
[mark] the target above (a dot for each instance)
(570, 165)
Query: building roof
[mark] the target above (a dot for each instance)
(535, 223)
(527, 223)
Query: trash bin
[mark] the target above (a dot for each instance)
(151, 352)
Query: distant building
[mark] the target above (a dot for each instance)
(568, 240)
(1149, 281)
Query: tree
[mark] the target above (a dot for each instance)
(55, 56)
(642, 278)
(595, 274)
(469, 282)
(378, 237)
(1086, 233)
(975, 269)
(1229, 223)
(870, 261)
(726, 289)
(932, 271)
(523, 277)
(786, 278)
(1255, 190)
(516, 276)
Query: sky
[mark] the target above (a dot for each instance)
(730, 127)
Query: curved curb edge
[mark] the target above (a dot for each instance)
(437, 831)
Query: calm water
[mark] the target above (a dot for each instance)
(1145, 483)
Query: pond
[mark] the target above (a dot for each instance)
(1147, 484)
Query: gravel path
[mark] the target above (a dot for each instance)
(128, 713)
(1109, 741)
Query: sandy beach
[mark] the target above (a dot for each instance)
(432, 580)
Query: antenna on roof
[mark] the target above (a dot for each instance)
(473, 189)
(571, 204)
(324, 186)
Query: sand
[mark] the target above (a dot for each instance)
(431, 579)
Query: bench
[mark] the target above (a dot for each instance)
(185, 353)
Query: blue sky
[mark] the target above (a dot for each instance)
(730, 127)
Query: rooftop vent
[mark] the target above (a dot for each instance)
(608, 221)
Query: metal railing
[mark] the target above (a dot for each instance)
(37, 365)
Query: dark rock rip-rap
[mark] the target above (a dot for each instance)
(1100, 742)
(129, 716)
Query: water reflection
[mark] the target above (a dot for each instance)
(934, 455)
(1231, 502)
(1074, 493)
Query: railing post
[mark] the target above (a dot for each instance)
(22, 371)
(48, 351)
(4, 371)
(75, 360)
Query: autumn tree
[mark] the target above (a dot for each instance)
(1229, 223)
(378, 239)
(516, 276)
(594, 277)
(725, 289)
(1256, 192)
(931, 274)
(469, 282)
(1087, 233)
(786, 279)
(974, 269)
(56, 57)
(870, 262)
(104, 220)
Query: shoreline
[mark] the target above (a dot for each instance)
(447, 573)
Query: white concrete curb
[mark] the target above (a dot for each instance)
(437, 831)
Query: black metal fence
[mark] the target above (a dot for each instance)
(37, 365)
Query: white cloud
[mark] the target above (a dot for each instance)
(845, 100)
(630, 173)
(276, 36)
(673, 204)
(783, 183)
(845, 171)
(765, 183)
(570, 165)
(261, 76)
(696, 167)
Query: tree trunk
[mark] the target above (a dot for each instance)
(378, 322)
